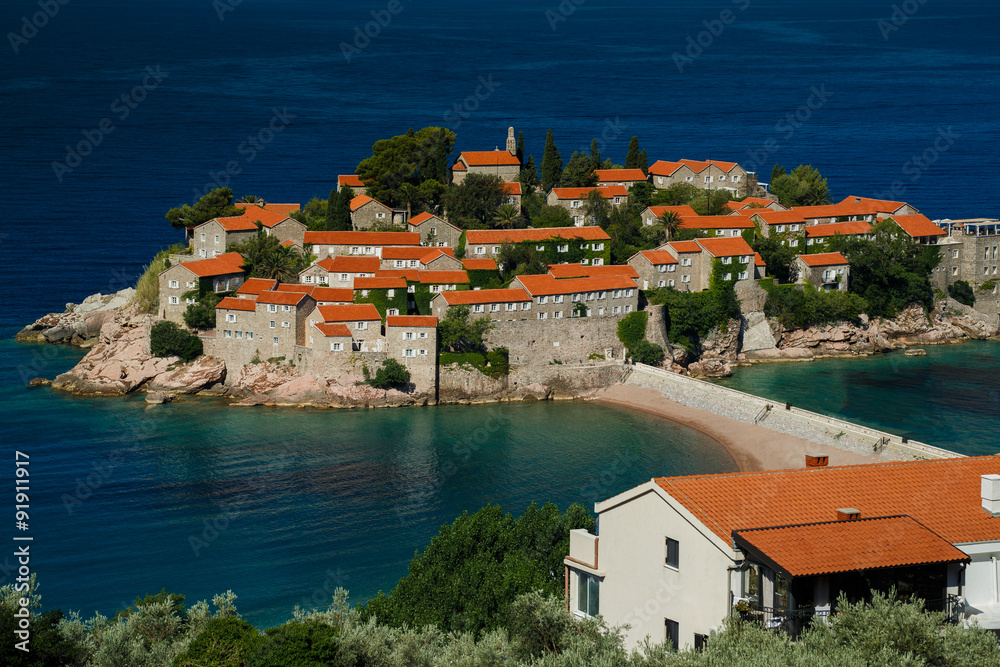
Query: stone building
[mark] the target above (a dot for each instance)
(817, 236)
(691, 275)
(755, 203)
(339, 271)
(625, 178)
(434, 231)
(363, 320)
(218, 274)
(350, 181)
(330, 244)
(656, 268)
(210, 239)
(971, 252)
(410, 257)
(651, 214)
(252, 287)
(513, 193)
(718, 225)
(367, 213)
(324, 296)
(388, 295)
(703, 174)
(496, 304)
(412, 341)
(270, 326)
(592, 243)
(882, 208)
(565, 298)
(663, 174)
(919, 228)
(574, 200)
(827, 271)
(502, 164)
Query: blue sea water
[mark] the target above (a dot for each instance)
(881, 98)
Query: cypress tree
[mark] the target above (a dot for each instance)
(643, 162)
(552, 164)
(341, 221)
(632, 157)
(331, 205)
(520, 147)
(595, 155)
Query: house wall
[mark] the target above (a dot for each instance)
(522, 310)
(210, 239)
(571, 341)
(238, 352)
(814, 274)
(507, 173)
(444, 263)
(289, 230)
(682, 175)
(367, 216)
(977, 262)
(437, 232)
(186, 281)
(422, 367)
(592, 250)
(651, 275)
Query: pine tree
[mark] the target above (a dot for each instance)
(520, 147)
(578, 172)
(552, 164)
(632, 157)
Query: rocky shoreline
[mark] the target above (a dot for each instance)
(119, 361)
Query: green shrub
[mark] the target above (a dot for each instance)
(391, 374)
(647, 353)
(225, 642)
(632, 328)
(988, 286)
(166, 339)
(147, 289)
(201, 314)
(962, 291)
(803, 306)
(499, 362)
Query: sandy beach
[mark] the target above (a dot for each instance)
(752, 447)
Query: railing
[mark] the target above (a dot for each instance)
(790, 621)
(765, 411)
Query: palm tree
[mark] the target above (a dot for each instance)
(281, 264)
(508, 215)
(253, 199)
(410, 195)
(671, 222)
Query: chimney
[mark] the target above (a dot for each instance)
(857, 200)
(991, 494)
(848, 514)
(817, 460)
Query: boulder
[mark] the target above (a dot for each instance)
(40, 382)
(189, 378)
(159, 397)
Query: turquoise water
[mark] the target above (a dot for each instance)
(283, 505)
(950, 398)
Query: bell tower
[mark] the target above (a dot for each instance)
(511, 141)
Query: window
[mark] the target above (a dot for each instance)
(576, 203)
(743, 275)
(477, 308)
(563, 248)
(662, 283)
(239, 335)
(174, 300)
(617, 294)
(588, 594)
(494, 307)
(413, 263)
(336, 347)
(391, 293)
(230, 317)
(203, 236)
(434, 231)
(810, 241)
(400, 263)
(496, 249)
(526, 305)
(661, 268)
(361, 326)
(615, 310)
(392, 311)
(558, 298)
(557, 315)
(511, 306)
(700, 642)
(671, 268)
(685, 261)
(671, 553)
(411, 289)
(728, 276)
(286, 309)
(190, 284)
(216, 239)
(671, 632)
(422, 353)
(598, 261)
(364, 293)
(271, 308)
(628, 309)
(793, 228)
(542, 316)
(379, 216)
(722, 178)
(423, 334)
(369, 250)
(249, 335)
(540, 248)
(708, 179)
(584, 261)
(272, 324)
(954, 270)
(600, 311)
(670, 283)
(189, 301)
(480, 250)
(274, 340)
(685, 279)
(354, 250)
(286, 325)
(202, 253)
(229, 334)
(174, 284)
(578, 221)
(408, 353)
(542, 300)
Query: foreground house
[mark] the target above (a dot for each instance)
(350, 181)
(434, 231)
(367, 213)
(330, 244)
(704, 174)
(675, 555)
(502, 164)
(919, 228)
(826, 270)
(218, 274)
(656, 268)
(585, 245)
(559, 298)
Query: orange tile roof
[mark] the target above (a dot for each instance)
(685, 246)
(698, 166)
(220, 265)
(736, 205)
(848, 546)
(350, 180)
(379, 283)
(255, 286)
(546, 284)
(413, 275)
(772, 217)
(421, 218)
(658, 256)
(496, 236)
(443, 277)
(758, 260)
(489, 158)
(333, 330)
(235, 303)
(664, 168)
(683, 211)
(235, 224)
(727, 247)
(716, 222)
(411, 321)
(348, 264)
(836, 210)
(284, 298)
(607, 191)
(917, 225)
(512, 188)
(835, 228)
(334, 294)
(358, 312)
(284, 209)
(824, 259)
(469, 297)
(880, 205)
(942, 494)
(480, 265)
(459, 166)
(361, 200)
(587, 271)
(363, 238)
(294, 287)
(250, 215)
(609, 175)
(411, 252)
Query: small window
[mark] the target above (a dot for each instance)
(540, 248)
(174, 300)
(286, 325)
(271, 308)
(190, 284)
(496, 249)
(700, 642)
(423, 334)
(229, 334)
(671, 553)
(422, 353)
(392, 311)
(230, 317)
(275, 340)
(286, 309)
(588, 594)
(480, 250)
(336, 347)
(671, 632)
(272, 324)
(361, 326)
(174, 284)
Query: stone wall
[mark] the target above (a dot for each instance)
(539, 343)
(467, 385)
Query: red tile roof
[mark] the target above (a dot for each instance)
(255, 286)
(235, 303)
(216, 266)
(347, 264)
(496, 236)
(413, 275)
(379, 283)
(411, 252)
(546, 284)
(421, 218)
(333, 330)
(363, 238)
(587, 271)
(716, 222)
(612, 175)
(458, 166)
(489, 158)
(736, 205)
(824, 259)
(411, 321)
(358, 312)
(727, 247)
(480, 265)
(836, 210)
(658, 256)
(880, 205)
(835, 228)
(361, 200)
(664, 168)
(848, 546)
(943, 494)
(468, 297)
(917, 225)
(284, 209)
(685, 246)
(235, 224)
(350, 180)
(512, 188)
(286, 298)
(607, 191)
(251, 214)
(333, 294)
(758, 260)
(771, 217)
(443, 277)
(698, 166)
(683, 211)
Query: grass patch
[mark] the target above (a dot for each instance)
(147, 289)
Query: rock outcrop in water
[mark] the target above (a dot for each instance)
(79, 324)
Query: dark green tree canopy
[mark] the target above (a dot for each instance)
(632, 156)
(414, 157)
(265, 257)
(552, 164)
(805, 186)
(216, 204)
(474, 203)
(459, 332)
(579, 172)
